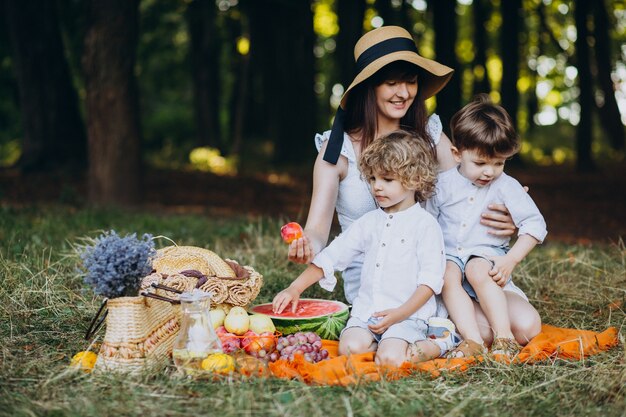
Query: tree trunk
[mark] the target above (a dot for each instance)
(288, 69)
(584, 160)
(609, 111)
(261, 58)
(445, 25)
(112, 101)
(510, 53)
(238, 106)
(390, 14)
(350, 15)
(481, 76)
(204, 54)
(54, 134)
(545, 35)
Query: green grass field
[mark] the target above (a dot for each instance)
(45, 310)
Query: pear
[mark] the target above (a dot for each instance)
(237, 310)
(237, 321)
(261, 323)
(217, 317)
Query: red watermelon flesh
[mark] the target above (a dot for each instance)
(325, 317)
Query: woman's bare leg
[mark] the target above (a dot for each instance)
(524, 318)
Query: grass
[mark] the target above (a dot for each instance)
(45, 309)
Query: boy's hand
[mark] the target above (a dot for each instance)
(387, 318)
(283, 298)
(502, 269)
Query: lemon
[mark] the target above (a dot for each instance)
(219, 363)
(84, 360)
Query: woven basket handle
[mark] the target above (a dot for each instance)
(160, 297)
(97, 321)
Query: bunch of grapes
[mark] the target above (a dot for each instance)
(307, 344)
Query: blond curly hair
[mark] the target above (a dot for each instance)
(407, 157)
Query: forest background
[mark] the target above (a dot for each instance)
(198, 118)
(113, 102)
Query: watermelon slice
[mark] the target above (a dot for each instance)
(325, 317)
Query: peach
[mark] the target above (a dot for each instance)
(291, 231)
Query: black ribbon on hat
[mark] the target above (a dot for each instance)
(371, 54)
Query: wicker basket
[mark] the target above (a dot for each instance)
(140, 331)
(229, 283)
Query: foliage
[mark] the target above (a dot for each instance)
(547, 83)
(45, 311)
(114, 265)
(209, 159)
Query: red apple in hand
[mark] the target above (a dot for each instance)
(290, 232)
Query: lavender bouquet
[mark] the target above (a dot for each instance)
(114, 265)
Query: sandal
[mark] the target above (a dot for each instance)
(466, 349)
(505, 346)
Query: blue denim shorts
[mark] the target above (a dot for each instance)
(496, 251)
(408, 330)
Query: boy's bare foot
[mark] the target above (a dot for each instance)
(505, 346)
(466, 349)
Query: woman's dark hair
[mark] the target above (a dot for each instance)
(361, 108)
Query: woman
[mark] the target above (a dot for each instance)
(388, 93)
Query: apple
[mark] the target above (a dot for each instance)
(230, 342)
(291, 231)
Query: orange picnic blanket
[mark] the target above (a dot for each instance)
(552, 342)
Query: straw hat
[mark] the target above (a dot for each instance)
(373, 51)
(388, 44)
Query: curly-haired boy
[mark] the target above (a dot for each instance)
(403, 257)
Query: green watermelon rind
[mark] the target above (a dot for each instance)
(327, 327)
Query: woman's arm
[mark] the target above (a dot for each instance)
(326, 179)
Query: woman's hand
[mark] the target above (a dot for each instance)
(301, 251)
(499, 220)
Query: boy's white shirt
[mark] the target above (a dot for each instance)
(458, 204)
(402, 251)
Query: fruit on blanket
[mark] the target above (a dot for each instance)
(307, 344)
(325, 317)
(238, 310)
(230, 342)
(261, 323)
(237, 321)
(84, 361)
(217, 317)
(219, 363)
(258, 345)
(250, 366)
(291, 231)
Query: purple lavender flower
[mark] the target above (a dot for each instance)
(115, 265)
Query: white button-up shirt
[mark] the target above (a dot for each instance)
(458, 205)
(401, 250)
